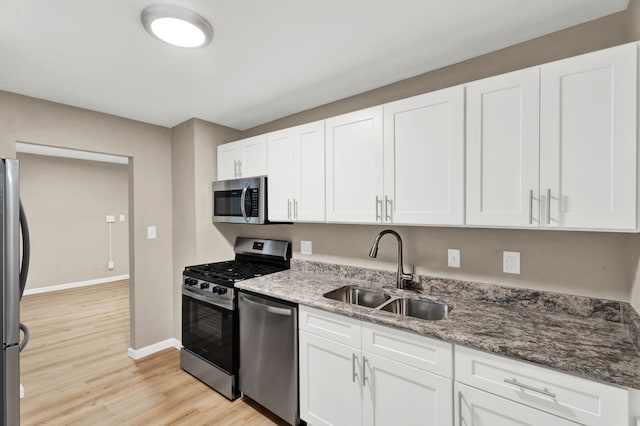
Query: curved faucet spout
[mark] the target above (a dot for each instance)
(402, 278)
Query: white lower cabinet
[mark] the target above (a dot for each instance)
(478, 408)
(520, 387)
(341, 384)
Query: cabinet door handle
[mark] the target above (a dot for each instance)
(388, 211)
(239, 168)
(460, 419)
(548, 206)
(235, 168)
(531, 388)
(354, 373)
(364, 371)
(288, 208)
(295, 208)
(378, 216)
(531, 207)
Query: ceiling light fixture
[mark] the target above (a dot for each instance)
(176, 25)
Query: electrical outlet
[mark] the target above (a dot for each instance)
(453, 258)
(511, 262)
(151, 233)
(305, 247)
(111, 219)
(111, 265)
(122, 218)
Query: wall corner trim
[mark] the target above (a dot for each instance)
(136, 354)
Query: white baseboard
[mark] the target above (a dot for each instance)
(75, 285)
(137, 354)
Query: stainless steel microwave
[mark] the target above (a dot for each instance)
(240, 200)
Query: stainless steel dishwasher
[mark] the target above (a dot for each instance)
(269, 354)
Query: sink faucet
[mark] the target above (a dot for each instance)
(402, 278)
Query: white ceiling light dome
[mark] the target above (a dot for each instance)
(176, 25)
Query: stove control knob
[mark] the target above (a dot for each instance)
(190, 282)
(204, 285)
(222, 290)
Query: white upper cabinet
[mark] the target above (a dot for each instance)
(502, 150)
(588, 140)
(309, 172)
(280, 190)
(424, 159)
(243, 158)
(296, 171)
(354, 180)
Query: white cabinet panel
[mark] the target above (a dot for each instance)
(397, 394)
(280, 165)
(354, 147)
(588, 140)
(309, 176)
(580, 400)
(502, 150)
(424, 159)
(478, 408)
(243, 158)
(330, 391)
(336, 327)
(229, 155)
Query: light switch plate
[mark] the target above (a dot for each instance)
(151, 233)
(122, 218)
(511, 262)
(305, 247)
(453, 258)
(111, 218)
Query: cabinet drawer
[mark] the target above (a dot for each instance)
(421, 352)
(574, 398)
(338, 328)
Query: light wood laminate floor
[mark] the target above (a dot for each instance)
(76, 371)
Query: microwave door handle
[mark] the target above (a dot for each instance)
(242, 198)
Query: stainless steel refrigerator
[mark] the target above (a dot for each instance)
(14, 275)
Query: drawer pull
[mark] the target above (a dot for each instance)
(531, 388)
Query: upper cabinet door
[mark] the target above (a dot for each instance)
(309, 172)
(255, 156)
(280, 190)
(229, 157)
(588, 140)
(424, 159)
(354, 167)
(502, 150)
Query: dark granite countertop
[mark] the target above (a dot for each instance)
(593, 345)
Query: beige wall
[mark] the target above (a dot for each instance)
(633, 20)
(24, 119)
(67, 201)
(195, 239)
(585, 263)
(594, 35)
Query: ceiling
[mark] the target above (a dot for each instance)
(268, 58)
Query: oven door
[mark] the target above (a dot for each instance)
(210, 331)
(240, 200)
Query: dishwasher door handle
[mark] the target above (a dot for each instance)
(268, 308)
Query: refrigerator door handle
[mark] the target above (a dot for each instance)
(26, 250)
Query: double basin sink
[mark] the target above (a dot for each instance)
(416, 308)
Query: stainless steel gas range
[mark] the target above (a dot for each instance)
(209, 310)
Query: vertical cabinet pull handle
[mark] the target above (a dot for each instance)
(239, 168)
(460, 418)
(235, 168)
(378, 216)
(388, 209)
(531, 207)
(288, 208)
(354, 373)
(295, 208)
(548, 206)
(364, 370)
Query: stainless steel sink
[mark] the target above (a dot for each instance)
(417, 308)
(358, 296)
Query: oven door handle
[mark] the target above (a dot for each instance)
(242, 201)
(263, 307)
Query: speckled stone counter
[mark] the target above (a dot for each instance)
(592, 340)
